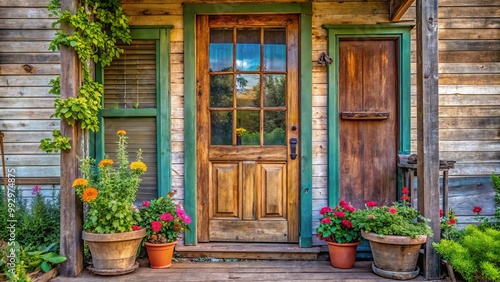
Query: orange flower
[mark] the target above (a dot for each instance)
(121, 132)
(89, 194)
(80, 182)
(138, 166)
(106, 162)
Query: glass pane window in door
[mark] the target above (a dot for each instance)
(221, 50)
(248, 49)
(221, 127)
(274, 90)
(248, 127)
(221, 90)
(247, 90)
(274, 128)
(275, 49)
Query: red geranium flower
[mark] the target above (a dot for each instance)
(326, 220)
(477, 210)
(339, 214)
(392, 210)
(371, 204)
(325, 210)
(145, 204)
(405, 198)
(343, 203)
(405, 190)
(441, 213)
(347, 223)
(156, 226)
(452, 221)
(136, 227)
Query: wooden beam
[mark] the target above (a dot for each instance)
(428, 128)
(398, 8)
(71, 206)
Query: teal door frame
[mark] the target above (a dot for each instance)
(337, 32)
(190, 161)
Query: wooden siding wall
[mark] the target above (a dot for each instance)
(26, 67)
(469, 100)
(469, 84)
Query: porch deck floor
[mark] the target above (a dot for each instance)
(250, 270)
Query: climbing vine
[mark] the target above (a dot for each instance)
(97, 25)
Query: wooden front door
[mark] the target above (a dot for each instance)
(247, 128)
(368, 106)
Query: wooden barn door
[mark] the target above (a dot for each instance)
(368, 107)
(247, 128)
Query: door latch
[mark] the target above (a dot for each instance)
(293, 148)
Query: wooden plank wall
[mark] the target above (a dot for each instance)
(469, 81)
(469, 100)
(469, 85)
(26, 67)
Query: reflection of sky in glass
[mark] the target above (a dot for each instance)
(247, 57)
(274, 57)
(221, 56)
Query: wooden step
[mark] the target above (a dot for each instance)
(249, 251)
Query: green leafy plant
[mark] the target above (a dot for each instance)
(476, 256)
(336, 226)
(163, 219)
(109, 192)
(398, 219)
(43, 258)
(448, 223)
(97, 26)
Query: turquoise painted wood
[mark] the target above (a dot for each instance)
(190, 182)
(162, 111)
(335, 32)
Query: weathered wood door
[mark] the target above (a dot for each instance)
(247, 128)
(368, 106)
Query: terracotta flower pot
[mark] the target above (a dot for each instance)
(114, 254)
(160, 255)
(395, 257)
(342, 255)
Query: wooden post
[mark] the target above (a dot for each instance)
(71, 206)
(428, 127)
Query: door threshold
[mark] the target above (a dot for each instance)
(232, 250)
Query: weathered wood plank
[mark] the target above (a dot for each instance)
(472, 79)
(15, 35)
(26, 23)
(456, 134)
(33, 58)
(29, 125)
(398, 8)
(30, 160)
(27, 103)
(37, 171)
(464, 68)
(152, 9)
(25, 47)
(23, 13)
(28, 137)
(465, 111)
(479, 23)
(470, 45)
(24, 3)
(25, 92)
(470, 100)
(16, 80)
(26, 114)
(28, 69)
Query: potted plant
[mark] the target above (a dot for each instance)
(336, 228)
(110, 225)
(164, 220)
(396, 234)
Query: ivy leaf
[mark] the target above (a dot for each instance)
(45, 266)
(73, 43)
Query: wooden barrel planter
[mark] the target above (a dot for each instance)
(395, 257)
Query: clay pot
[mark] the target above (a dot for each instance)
(342, 255)
(160, 255)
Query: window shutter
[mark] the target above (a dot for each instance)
(130, 80)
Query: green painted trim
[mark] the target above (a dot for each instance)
(146, 112)
(98, 137)
(163, 127)
(335, 32)
(305, 239)
(248, 8)
(190, 162)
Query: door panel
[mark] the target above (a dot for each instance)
(247, 111)
(368, 95)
